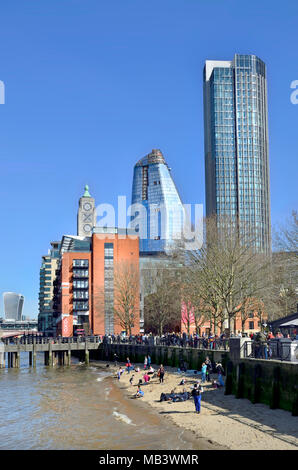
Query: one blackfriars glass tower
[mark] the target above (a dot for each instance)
(236, 146)
(158, 213)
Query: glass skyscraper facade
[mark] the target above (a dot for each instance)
(236, 146)
(158, 214)
(13, 305)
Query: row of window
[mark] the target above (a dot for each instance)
(80, 263)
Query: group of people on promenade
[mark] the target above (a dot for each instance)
(173, 339)
(196, 389)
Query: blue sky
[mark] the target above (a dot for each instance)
(91, 86)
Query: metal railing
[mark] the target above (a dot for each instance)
(196, 343)
(47, 340)
(277, 350)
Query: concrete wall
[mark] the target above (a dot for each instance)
(273, 383)
(168, 356)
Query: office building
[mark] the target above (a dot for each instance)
(47, 277)
(13, 306)
(236, 146)
(158, 213)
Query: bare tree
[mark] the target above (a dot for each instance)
(286, 236)
(226, 271)
(162, 303)
(283, 298)
(126, 294)
(187, 316)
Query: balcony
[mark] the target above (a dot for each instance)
(80, 285)
(77, 305)
(80, 263)
(80, 273)
(80, 313)
(80, 295)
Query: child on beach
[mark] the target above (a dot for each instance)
(139, 393)
(120, 371)
(146, 378)
(131, 379)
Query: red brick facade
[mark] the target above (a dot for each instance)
(126, 249)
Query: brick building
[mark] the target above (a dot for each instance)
(87, 275)
(252, 323)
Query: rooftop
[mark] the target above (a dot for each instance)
(152, 158)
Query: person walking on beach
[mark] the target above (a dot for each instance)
(209, 368)
(145, 362)
(148, 361)
(161, 373)
(203, 371)
(128, 365)
(220, 372)
(196, 393)
(120, 371)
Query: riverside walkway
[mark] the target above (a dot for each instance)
(56, 350)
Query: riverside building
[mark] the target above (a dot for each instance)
(89, 275)
(236, 146)
(80, 278)
(47, 276)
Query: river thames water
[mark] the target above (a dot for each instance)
(78, 407)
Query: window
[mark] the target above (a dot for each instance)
(251, 325)
(80, 263)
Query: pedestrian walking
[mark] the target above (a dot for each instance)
(196, 393)
(145, 362)
(161, 373)
(220, 372)
(115, 359)
(209, 368)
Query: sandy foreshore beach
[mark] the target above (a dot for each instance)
(224, 421)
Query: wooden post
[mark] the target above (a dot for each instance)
(18, 359)
(69, 355)
(50, 354)
(2, 360)
(13, 357)
(86, 352)
(30, 358)
(34, 352)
